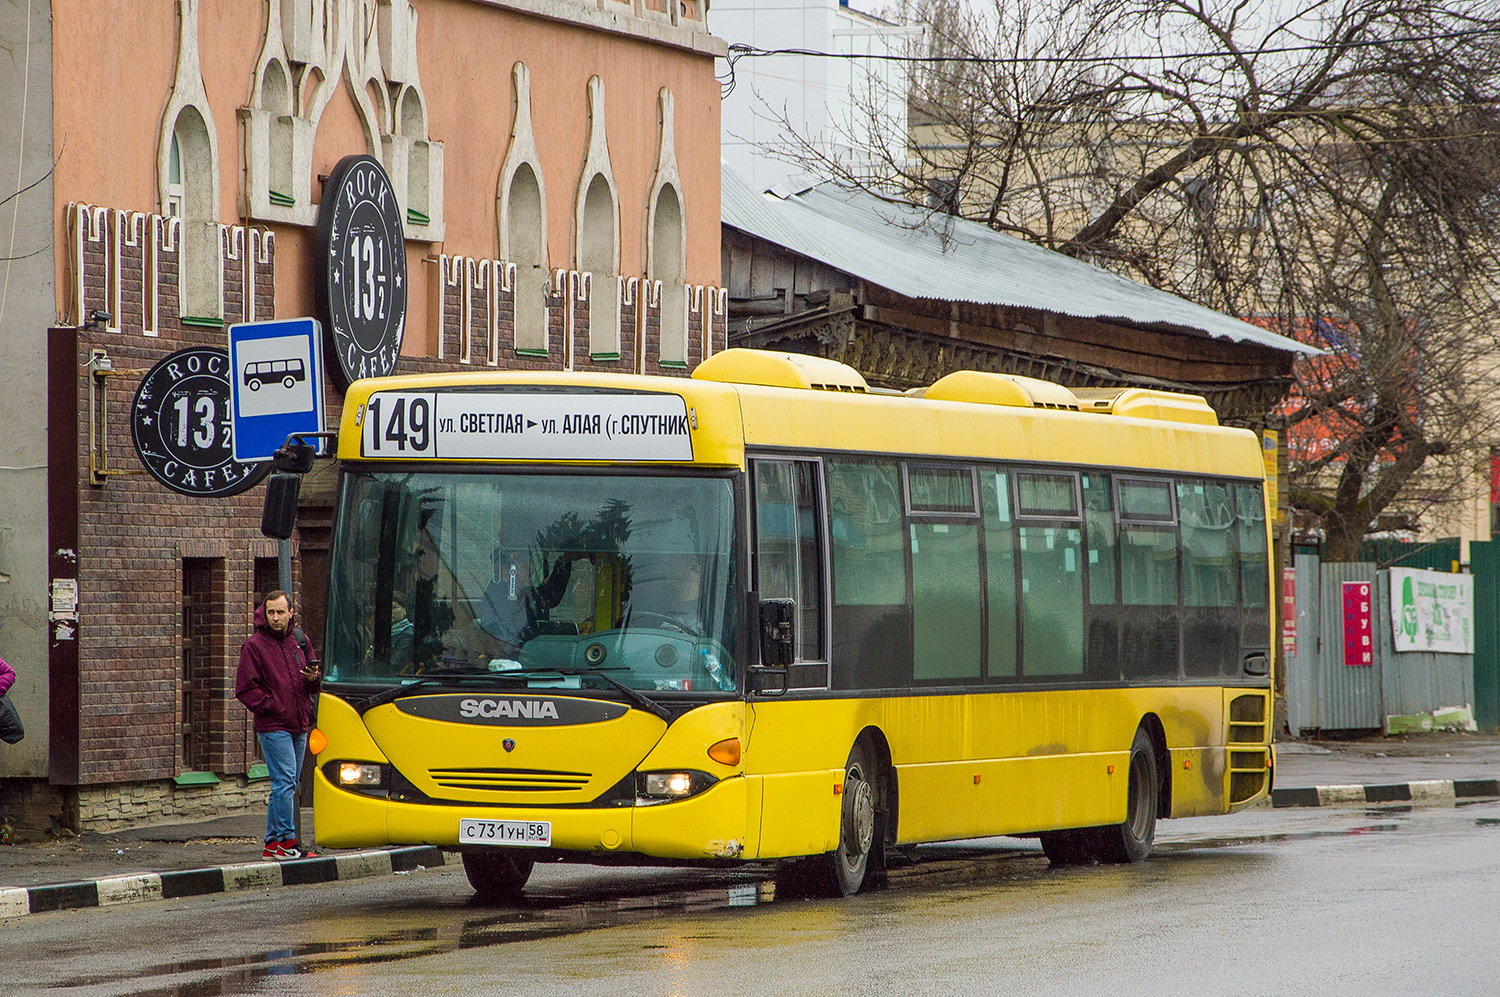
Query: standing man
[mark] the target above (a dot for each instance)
(276, 681)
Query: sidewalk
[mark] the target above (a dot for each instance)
(1433, 765)
(223, 855)
(178, 860)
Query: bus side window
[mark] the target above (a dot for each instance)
(787, 548)
(872, 615)
(947, 601)
(1102, 612)
(1150, 646)
(1003, 612)
(1049, 540)
(1251, 551)
(1210, 582)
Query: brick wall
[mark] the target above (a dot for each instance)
(135, 534)
(474, 290)
(136, 537)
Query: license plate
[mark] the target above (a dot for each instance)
(521, 833)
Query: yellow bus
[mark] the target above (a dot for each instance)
(768, 613)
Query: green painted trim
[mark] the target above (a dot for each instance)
(416, 217)
(196, 779)
(211, 323)
(528, 352)
(257, 772)
(674, 364)
(604, 356)
(284, 200)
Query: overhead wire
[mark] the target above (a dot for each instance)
(739, 50)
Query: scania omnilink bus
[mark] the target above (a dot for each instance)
(768, 613)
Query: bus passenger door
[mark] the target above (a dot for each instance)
(787, 755)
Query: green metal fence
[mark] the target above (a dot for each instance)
(1434, 555)
(1484, 562)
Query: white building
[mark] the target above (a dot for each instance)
(842, 104)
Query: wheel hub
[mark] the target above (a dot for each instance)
(859, 815)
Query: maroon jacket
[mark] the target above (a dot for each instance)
(269, 679)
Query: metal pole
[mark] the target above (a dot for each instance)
(284, 582)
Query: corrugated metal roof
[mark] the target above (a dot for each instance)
(938, 257)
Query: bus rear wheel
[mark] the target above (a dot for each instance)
(1131, 840)
(498, 872)
(1128, 841)
(1069, 847)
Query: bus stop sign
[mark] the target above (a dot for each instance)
(275, 384)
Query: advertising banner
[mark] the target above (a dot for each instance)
(1359, 628)
(1432, 611)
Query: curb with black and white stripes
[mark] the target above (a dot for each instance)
(144, 886)
(1426, 791)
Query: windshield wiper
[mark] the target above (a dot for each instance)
(410, 688)
(634, 695)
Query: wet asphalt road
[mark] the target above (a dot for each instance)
(1380, 901)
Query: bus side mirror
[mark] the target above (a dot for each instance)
(778, 632)
(279, 515)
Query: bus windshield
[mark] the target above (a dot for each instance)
(551, 577)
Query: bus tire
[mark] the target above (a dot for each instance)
(288, 382)
(1130, 841)
(853, 862)
(1070, 847)
(498, 872)
(255, 384)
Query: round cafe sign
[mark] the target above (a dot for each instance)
(181, 426)
(361, 276)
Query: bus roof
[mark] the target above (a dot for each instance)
(760, 400)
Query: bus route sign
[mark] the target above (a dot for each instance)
(519, 425)
(275, 383)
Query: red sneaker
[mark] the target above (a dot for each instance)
(272, 850)
(290, 849)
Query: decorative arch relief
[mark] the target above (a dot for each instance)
(666, 239)
(596, 234)
(187, 177)
(521, 221)
(308, 48)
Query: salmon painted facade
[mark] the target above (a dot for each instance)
(530, 184)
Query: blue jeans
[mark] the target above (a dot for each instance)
(283, 753)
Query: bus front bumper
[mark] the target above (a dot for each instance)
(710, 825)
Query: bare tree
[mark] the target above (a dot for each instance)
(1332, 172)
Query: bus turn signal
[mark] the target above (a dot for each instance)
(726, 752)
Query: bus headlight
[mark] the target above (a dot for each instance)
(360, 774)
(664, 787)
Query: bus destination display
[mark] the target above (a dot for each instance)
(509, 425)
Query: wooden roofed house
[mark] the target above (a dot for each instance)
(906, 296)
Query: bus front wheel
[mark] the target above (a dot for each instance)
(497, 872)
(848, 865)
